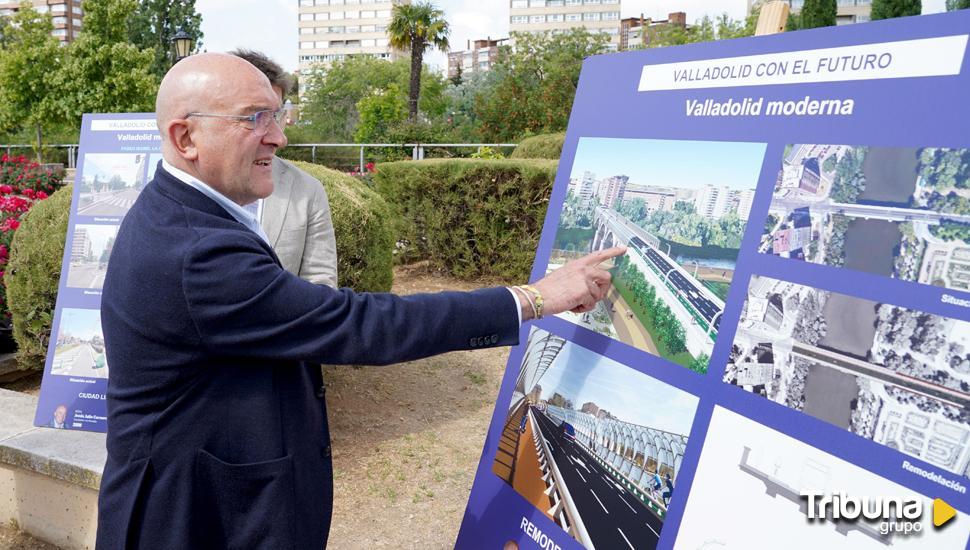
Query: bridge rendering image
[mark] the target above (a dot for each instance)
(682, 221)
(892, 211)
(892, 375)
(582, 445)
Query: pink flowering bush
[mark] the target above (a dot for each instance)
(22, 184)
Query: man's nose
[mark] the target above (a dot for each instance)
(275, 136)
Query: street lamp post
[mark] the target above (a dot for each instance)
(182, 43)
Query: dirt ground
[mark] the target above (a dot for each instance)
(406, 441)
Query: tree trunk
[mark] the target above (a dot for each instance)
(417, 52)
(40, 144)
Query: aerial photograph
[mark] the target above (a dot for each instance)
(593, 444)
(90, 250)
(748, 486)
(892, 211)
(896, 376)
(110, 183)
(79, 350)
(683, 221)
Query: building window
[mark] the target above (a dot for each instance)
(368, 43)
(591, 17)
(588, 2)
(59, 32)
(537, 19)
(58, 8)
(382, 42)
(611, 16)
(306, 17)
(336, 15)
(77, 22)
(574, 2)
(573, 17)
(520, 19)
(59, 20)
(351, 15)
(353, 29)
(554, 3)
(323, 16)
(368, 14)
(337, 30)
(321, 45)
(537, 3)
(555, 18)
(336, 2)
(352, 1)
(383, 13)
(306, 3)
(367, 28)
(520, 4)
(75, 8)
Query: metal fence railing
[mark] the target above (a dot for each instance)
(348, 157)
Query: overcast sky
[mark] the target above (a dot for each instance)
(270, 26)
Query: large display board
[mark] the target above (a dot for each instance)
(117, 157)
(792, 317)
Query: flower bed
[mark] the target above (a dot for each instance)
(22, 184)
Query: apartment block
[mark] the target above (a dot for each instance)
(331, 30)
(561, 15)
(477, 59)
(65, 14)
(847, 11)
(640, 31)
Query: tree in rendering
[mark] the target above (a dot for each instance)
(887, 9)
(817, 13)
(957, 5)
(417, 27)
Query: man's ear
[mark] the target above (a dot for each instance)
(180, 136)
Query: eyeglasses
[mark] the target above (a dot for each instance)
(258, 122)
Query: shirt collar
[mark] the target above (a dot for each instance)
(240, 213)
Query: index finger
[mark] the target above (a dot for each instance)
(602, 255)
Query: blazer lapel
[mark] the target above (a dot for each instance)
(275, 205)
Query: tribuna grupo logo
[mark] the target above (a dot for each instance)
(899, 515)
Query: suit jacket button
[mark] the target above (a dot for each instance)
(321, 392)
(494, 338)
(325, 451)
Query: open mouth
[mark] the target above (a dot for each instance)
(263, 162)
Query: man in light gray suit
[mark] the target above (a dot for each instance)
(296, 217)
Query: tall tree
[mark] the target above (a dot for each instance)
(952, 5)
(535, 83)
(818, 13)
(887, 9)
(29, 65)
(417, 27)
(155, 22)
(330, 104)
(103, 72)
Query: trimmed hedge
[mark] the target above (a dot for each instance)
(360, 219)
(33, 273)
(472, 218)
(545, 146)
(362, 224)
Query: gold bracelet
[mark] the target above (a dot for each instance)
(538, 299)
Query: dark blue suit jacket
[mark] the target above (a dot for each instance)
(217, 430)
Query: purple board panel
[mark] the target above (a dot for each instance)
(117, 157)
(797, 213)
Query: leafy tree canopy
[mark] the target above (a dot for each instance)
(818, 13)
(887, 9)
(535, 83)
(417, 27)
(155, 22)
(330, 106)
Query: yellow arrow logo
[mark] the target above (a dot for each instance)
(942, 512)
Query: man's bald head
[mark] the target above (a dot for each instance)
(203, 108)
(203, 83)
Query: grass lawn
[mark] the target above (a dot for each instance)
(683, 358)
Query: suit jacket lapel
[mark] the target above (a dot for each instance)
(274, 206)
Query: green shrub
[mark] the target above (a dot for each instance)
(32, 275)
(473, 218)
(545, 146)
(362, 224)
(360, 218)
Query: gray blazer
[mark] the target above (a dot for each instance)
(296, 218)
